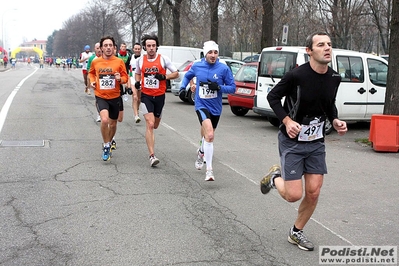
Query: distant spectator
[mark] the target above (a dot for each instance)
(69, 63)
(13, 61)
(58, 62)
(5, 61)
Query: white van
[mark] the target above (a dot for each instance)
(179, 55)
(360, 94)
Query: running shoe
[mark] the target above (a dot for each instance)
(153, 160)
(98, 118)
(299, 239)
(113, 145)
(267, 182)
(209, 176)
(137, 119)
(106, 153)
(199, 163)
(87, 91)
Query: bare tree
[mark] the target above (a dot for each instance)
(214, 6)
(71, 39)
(194, 25)
(176, 8)
(139, 18)
(102, 20)
(237, 25)
(381, 12)
(391, 106)
(267, 23)
(50, 44)
(99, 20)
(156, 7)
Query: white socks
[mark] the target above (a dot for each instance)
(202, 144)
(208, 153)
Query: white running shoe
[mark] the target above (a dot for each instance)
(199, 163)
(153, 160)
(137, 119)
(98, 118)
(209, 176)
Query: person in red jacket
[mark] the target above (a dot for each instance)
(5, 61)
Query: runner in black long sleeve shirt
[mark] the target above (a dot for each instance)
(301, 136)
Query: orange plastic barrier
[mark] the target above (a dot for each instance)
(384, 132)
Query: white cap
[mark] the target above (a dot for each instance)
(210, 46)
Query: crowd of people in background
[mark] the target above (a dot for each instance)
(64, 62)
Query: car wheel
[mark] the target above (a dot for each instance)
(191, 97)
(182, 96)
(238, 110)
(328, 127)
(274, 121)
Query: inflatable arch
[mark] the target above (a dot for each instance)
(3, 51)
(26, 49)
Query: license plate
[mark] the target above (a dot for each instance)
(243, 91)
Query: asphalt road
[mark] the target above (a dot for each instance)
(60, 204)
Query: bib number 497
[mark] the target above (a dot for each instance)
(311, 132)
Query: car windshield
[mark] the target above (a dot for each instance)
(277, 63)
(247, 73)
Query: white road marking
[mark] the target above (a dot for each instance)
(7, 104)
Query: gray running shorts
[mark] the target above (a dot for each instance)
(298, 158)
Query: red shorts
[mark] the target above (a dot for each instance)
(84, 71)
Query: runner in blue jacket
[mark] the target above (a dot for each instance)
(213, 78)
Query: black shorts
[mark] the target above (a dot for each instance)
(112, 105)
(205, 114)
(152, 104)
(298, 158)
(121, 106)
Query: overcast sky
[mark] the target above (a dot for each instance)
(35, 19)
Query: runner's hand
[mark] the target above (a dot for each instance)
(213, 86)
(137, 85)
(160, 76)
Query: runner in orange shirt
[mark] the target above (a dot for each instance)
(106, 74)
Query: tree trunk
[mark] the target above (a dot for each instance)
(160, 26)
(176, 9)
(214, 6)
(267, 24)
(392, 92)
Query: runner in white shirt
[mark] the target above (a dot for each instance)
(84, 57)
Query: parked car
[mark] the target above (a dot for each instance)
(175, 83)
(188, 96)
(252, 58)
(243, 99)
